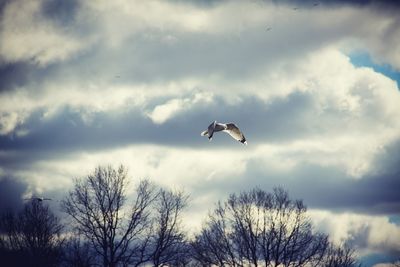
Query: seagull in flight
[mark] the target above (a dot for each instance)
(229, 128)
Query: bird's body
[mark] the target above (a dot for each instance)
(229, 128)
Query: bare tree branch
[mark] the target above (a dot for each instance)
(96, 205)
(34, 234)
(169, 246)
(259, 229)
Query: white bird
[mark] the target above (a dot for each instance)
(229, 128)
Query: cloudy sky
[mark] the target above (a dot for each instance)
(314, 85)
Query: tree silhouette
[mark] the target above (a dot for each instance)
(148, 230)
(340, 256)
(259, 229)
(170, 246)
(96, 205)
(77, 253)
(33, 237)
(253, 228)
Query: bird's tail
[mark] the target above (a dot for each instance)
(243, 141)
(204, 133)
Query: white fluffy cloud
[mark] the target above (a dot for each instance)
(26, 35)
(367, 233)
(163, 112)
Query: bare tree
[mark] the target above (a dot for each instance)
(97, 206)
(78, 253)
(257, 228)
(170, 246)
(340, 256)
(33, 237)
(214, 245)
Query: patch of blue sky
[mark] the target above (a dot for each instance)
(395, 219)
(363, 59)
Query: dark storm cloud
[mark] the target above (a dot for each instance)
(390, 158)
(320, 187)
(60, 11)
(11, 191)
(11, 196)
(13, 75)
(19, 74)
(3, 4)
(372, 194)
(330, 188)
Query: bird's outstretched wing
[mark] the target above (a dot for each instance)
(235, 132)
(211, 129)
